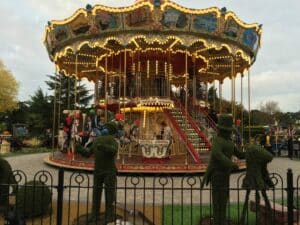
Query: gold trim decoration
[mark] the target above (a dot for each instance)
(160, 102)
(156, 24)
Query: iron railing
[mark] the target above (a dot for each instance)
(141, 199)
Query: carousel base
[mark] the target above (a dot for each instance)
(134, 164)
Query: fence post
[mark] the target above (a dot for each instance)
(60, 196)
(290, 197)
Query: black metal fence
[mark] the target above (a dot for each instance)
(141, 199)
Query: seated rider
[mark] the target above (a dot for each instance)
(97, 125)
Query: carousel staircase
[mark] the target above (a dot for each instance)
(195, 140)
(203, 121)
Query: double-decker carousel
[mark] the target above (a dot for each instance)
(148, 62)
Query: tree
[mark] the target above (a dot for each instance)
(40, 110)
(270, 107)
(8, 89)
(66, 91)
(18, 115)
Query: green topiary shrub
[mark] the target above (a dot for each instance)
(33, 199)
(6, 180)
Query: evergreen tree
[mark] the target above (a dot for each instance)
(65, 92)
(39, 111)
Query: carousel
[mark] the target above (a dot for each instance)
(151, 64)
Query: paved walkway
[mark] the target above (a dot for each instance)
(31, 164)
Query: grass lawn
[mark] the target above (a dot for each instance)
(187, 215)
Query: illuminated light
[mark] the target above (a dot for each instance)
(139, 66)
(44, 38)
(220, 57)
(166, 69)
(121, 9)
(94, 70)
(133, 68)
(144, 119)
(208, 72)
(241, 23)
(148, 69)
(68, 20)
(222, 65)
(80, 63)
(156, 67)
(174, 43)
(170, 71)
(68, 50)
(191, 11)
(87, 55)
(136, 44)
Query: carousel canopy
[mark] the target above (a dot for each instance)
(96, 40)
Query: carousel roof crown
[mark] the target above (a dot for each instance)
(213, 35)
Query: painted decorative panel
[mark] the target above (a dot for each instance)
(61, 33)
(107, 21)
(139, 18)
(250, 38)
(205, 23)
(231, 29)
(173, 19)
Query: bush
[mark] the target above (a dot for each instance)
(33, 199)
(6, 179)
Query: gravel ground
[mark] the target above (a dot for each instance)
(158, 190)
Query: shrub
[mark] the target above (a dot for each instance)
(33, 199)
(6, 179)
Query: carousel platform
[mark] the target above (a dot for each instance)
(134, 164)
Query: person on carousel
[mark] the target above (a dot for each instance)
(134, 130)
(166, 134)
(67, 129)
(97, 124)
(76, 127)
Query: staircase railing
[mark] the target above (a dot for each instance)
(197, 109)
(210, 122)
(183, 137)
(193, 124)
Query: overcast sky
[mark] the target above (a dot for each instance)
(274, 76)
